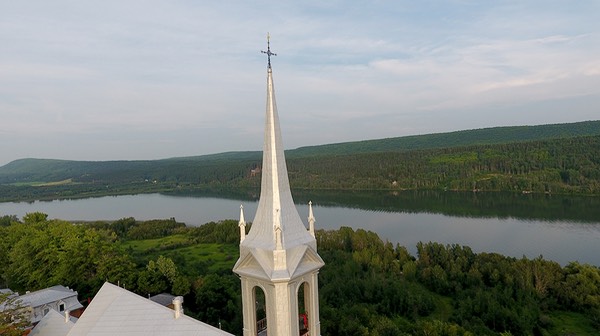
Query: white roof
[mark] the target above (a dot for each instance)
(10, 294)
(49, 295)
(117, 311)
(52, 324)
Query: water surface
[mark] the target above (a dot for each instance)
(568, 235)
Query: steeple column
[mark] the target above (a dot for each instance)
(248, 307)
(314, 324)
(284, 322)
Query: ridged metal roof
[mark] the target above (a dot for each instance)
(117, 311)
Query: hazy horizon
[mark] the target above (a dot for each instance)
(158, 79)
(260, 149)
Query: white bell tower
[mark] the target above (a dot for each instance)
(279, 255)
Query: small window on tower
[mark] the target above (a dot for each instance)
(61, 307)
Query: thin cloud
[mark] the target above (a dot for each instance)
(137, 68)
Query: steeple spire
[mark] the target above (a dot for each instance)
(276, 207)
(278, 255)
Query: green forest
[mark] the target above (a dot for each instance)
(552, 166)
(367, 286)
(482, 136)
(550, 159)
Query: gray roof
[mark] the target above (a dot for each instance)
(117, 311)
(163, 299)
(48, 295)
(52, 324)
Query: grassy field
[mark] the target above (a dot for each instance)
(570, 323)
(443, 309)
(192, 259)
(43, 184)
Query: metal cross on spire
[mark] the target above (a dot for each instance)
(268, 52)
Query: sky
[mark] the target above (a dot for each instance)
(152, 79)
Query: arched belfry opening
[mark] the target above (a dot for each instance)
(260, 310)
(304, 303)
(278, 256)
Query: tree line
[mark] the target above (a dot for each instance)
(559, 166)
(482, 136)
(367, 286)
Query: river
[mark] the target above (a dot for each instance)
(560, 228)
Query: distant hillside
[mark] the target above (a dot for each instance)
(40, 171)
(548, 158)
(483, 136)
(569, 165)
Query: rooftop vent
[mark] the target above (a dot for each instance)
(178, 306)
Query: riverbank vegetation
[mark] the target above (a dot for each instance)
(367, 286)
(551, 159)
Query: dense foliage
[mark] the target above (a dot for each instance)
(367, 287)
(129, 228)
(541, 159)
(553, 166)
(39, 253)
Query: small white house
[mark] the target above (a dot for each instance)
(58, 298)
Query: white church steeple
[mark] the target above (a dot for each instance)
(278, 255)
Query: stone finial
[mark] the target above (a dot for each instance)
(311, 219)
(242, 224)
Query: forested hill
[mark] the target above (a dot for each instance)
(566, 160)
(44, 171)
(483, 136)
